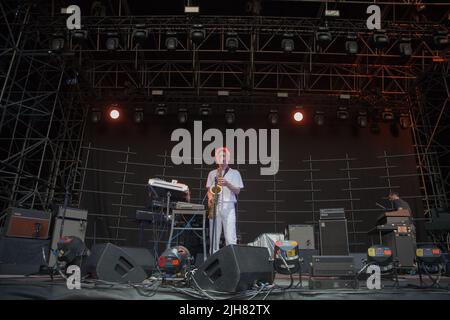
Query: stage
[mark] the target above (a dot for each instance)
(43, 288)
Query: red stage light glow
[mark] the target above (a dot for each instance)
(298, 116)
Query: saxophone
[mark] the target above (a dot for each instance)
(215, 190)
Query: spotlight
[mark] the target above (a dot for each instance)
(362, 119)
(205, 110)
(197, 34)
(405, 47)
(182, 116)
(323, 37)
(232, 42)
(380, 39)
(230, 116)
(57, 43)
(319, 118)
(273, 117)
(298, 116)
(286, 258)
(440, 40)
(387, 114)
(175, 260)
(112, 41)
(171, 41)
(114, 113)
(405, 121)
(351, 45)
(161, 110)
(79, 36)
(342, 113)
(96, 115)
(140, 33)
(287, 44)
(429, 255)
(381, 256)
(138, 115)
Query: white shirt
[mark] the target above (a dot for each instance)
(232, 176)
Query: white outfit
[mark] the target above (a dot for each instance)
(226, 212)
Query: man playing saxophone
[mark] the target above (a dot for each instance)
(224, 199)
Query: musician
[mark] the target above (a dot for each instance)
(231, 182)
(398, 203)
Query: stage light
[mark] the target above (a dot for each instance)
(429, 255)
(171, 41)
(273, 117)
(114, 113)
(198, 34)
(79, 36)
(287, 43)
(140, 34)
(230, 117)
(286, 258)
(387, 114)
(298, 116)
(232, 42)
(57, 43)
(182, 116)
(175, 260)
(323, 37)
(319, 118)
(380, 39)
(351, 45)
(405, 121)
(161, 110)
(405, 47)
(381, 256)
(96, 115)
(342, 113)
(362, 119)
(138, 115)
(440, 40)
(205, 110)
(112, 41)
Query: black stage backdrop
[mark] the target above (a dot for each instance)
(314, 173)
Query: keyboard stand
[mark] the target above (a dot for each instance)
(176, 212)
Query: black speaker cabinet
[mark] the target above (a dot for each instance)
(110, 263)
(235, 268)
(143, 258)
(333, 237)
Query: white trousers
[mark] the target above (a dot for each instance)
(226, 218)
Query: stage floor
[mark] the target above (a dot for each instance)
(42, 287)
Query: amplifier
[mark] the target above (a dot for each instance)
(27, 223)
(333, 237)
(325, 284)
(332, 214)
(303, 234)
(333, 266)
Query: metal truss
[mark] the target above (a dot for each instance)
(42, 119)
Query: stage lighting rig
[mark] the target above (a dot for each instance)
(319, 118)
(112, 41)
(182, 115)
(431, 261)
(323, 37)
(287, 43)
(351, 44)
(114, 112)
(387, 114)
(362, 119)
(138, 115)
(175, 260)
(96, 115)
(57, 42)
(440, 40)
(231, 42)
(405, 121)
(205, 110)
(198, 34)
(405, 47)
(380, 39)
(381, 256)
(273, 117)
(171, 41)
(230, 117)
(342, 113)
(79, 36)
(161, 110)
(140, 34)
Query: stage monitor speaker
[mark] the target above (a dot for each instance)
(110, 263)
(235, 268)
(143, 258)
(333, 237)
